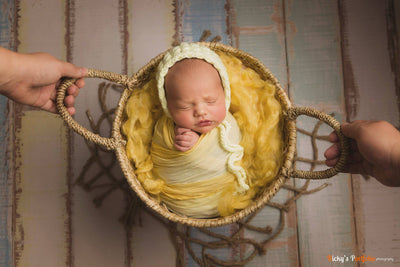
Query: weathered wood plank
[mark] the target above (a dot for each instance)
(325, 222)
(96, 41)
(6, 40)
(258, 28)
(146, 40)
(369, 57)
(197, 16)
(40, 223)
(194, 17)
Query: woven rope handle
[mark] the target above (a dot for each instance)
(109, 143)
(293, 113)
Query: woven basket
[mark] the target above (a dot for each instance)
(117, 141)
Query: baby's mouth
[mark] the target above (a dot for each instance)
(204, 123)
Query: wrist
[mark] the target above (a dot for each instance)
(7, 70)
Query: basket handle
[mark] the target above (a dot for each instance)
(109, 143)
(293, 113)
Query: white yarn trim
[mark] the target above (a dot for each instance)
(236, 154)
(190, 50)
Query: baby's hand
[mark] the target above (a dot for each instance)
(185, 139)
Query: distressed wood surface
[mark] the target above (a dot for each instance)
(40, 213)
(338, 56)
(316, 80)
(374, 94)
(7, 41)
(254, 24)
(151, 240)
(98, 238)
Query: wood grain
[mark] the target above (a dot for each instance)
(376, 208)
(259, 29)
(325, 222)
(6, 40)
(98, 238)
(40, 147)
(146, 40)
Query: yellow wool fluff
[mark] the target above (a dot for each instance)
(257, 112)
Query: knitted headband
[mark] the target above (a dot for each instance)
(190, 50)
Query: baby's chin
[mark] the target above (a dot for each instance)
(203, 130)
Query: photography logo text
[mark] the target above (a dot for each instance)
(354, 258)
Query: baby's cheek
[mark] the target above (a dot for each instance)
(220, 113)
(182, 119)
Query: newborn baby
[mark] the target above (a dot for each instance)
(195, 148)
(196, 100)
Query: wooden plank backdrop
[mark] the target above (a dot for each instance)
(339, 56)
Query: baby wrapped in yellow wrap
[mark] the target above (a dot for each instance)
(189, 152)
(195, 147)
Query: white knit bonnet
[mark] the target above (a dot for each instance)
(193, 50)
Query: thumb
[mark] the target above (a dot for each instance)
(72, 71)
(352, 129)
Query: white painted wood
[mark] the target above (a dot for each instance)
(151, 29)
(376, 206)
(325, 223)
(41, 225)
(151, 26)
(98, 238)
(258, 29)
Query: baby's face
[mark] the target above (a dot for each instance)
(195, 96)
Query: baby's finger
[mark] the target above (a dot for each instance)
(183, 137)
(181, 147)
(180, 130)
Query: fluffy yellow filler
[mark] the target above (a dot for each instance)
(258, 114)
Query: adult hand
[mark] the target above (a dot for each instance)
(374, 150)
(31, 79)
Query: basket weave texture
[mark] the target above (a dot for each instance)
(290, 113)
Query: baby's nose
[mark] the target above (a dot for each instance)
(200, 110)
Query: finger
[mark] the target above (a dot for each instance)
(181, 148)
(353, 129)
(331, 162)
(71, 110)
(180, 130)
(333, 137)
(332, 152)
(49, 106)
(80, 83)
(72, 71)
(72, 90)
(69, 101)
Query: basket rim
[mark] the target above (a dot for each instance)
(289, 129)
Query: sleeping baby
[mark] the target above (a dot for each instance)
(195, 147)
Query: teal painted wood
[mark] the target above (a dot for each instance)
(6, 17)
(200, 15)
(259, 31)
(197, 16)
(258, 28)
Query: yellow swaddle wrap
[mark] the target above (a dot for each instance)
(258, 115)
(195, 179)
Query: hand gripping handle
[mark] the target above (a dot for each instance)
(293, 113)
(109, 143)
